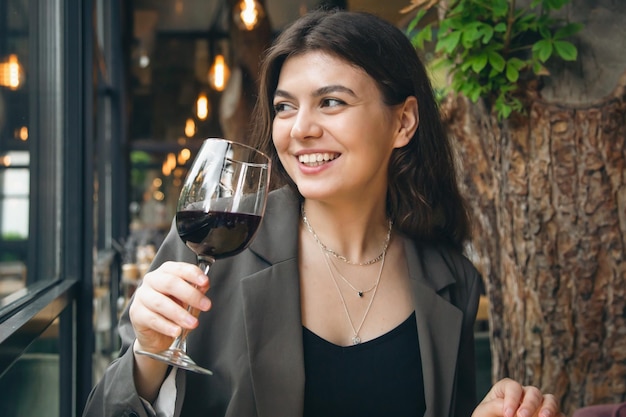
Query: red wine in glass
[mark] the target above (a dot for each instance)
(216, 234)
(219, 211)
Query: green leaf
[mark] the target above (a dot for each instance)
(517, 63)
(503, 110)
(423, 36)
(474, 94)
(512, 74)
(479, 62)
(566, 50)
(500, 27)
(500, 8)
(486, 33)
(413, 23)
(448, 42)
(497, 61)
(543, 50)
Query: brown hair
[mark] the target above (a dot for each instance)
(423, 198)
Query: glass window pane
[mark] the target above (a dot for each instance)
(15, 83)
(30, 387)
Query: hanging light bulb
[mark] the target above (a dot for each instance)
(190, 128)
(248, 14)
(11, 73)
(219, 73)
(203, 107)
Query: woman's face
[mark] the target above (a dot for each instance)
(332, 131)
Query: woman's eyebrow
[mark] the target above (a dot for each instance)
(284, 94)
(319, 92)
(333, 89)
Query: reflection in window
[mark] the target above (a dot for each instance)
(14, 185)
(16, 79)
(14, 205)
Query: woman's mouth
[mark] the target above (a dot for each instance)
(317, 159)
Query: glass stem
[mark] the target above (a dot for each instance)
(180, 343)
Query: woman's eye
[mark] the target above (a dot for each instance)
(280, 107)
(332, 102)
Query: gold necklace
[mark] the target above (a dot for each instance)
(358, 292)
(339, 256)
(356, 339)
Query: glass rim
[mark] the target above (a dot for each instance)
(242, 145)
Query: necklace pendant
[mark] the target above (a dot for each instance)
(356, 340)
(361, 294)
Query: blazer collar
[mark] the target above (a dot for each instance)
(272, 311)
(439, 325)
(274, 325)
(277, 237)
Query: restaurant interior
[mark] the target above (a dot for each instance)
(103, 105)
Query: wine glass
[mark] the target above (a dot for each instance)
(219, 211)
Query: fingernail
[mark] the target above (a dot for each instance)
(509, 412)
(546, 413)
(205, 304)
(523, 413)
(191, 320)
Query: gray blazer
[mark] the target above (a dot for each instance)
(252, 337)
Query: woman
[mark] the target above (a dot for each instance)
(354, 297)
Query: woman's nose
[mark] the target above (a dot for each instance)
(305, 126)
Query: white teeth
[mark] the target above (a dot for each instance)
(315, 159)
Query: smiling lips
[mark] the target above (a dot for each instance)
(316, 159)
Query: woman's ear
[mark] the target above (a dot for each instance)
(409, 120)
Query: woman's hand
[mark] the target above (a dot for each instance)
(158, 313)
(508, 398)
(158, 310)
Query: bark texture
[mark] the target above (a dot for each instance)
(548, 193)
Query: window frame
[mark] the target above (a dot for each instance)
(69, 129)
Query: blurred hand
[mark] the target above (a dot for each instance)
(158, 311)
(508, 398)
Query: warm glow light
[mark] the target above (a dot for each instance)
(11, 73)
(190, 128)
(5, 161)
(169, 164)
(183, 156)
(248, 13)
(158, 195)
(22, 133)
(219, 73)
(202, 107)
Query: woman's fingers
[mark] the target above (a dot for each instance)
(519, 401)
(531, 402)
(183, 282)
(159, 308)
(489, 408)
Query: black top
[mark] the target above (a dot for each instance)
(380, 377)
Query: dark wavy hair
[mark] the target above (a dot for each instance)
(423, 197)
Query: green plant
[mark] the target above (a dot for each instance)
(490, 46)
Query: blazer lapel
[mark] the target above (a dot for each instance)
(439, 326)
(272, 313)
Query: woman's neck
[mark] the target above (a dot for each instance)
(356, 233)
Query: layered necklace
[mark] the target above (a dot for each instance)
(342, 258)
(326, 252)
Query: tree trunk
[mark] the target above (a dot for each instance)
(548, 193)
